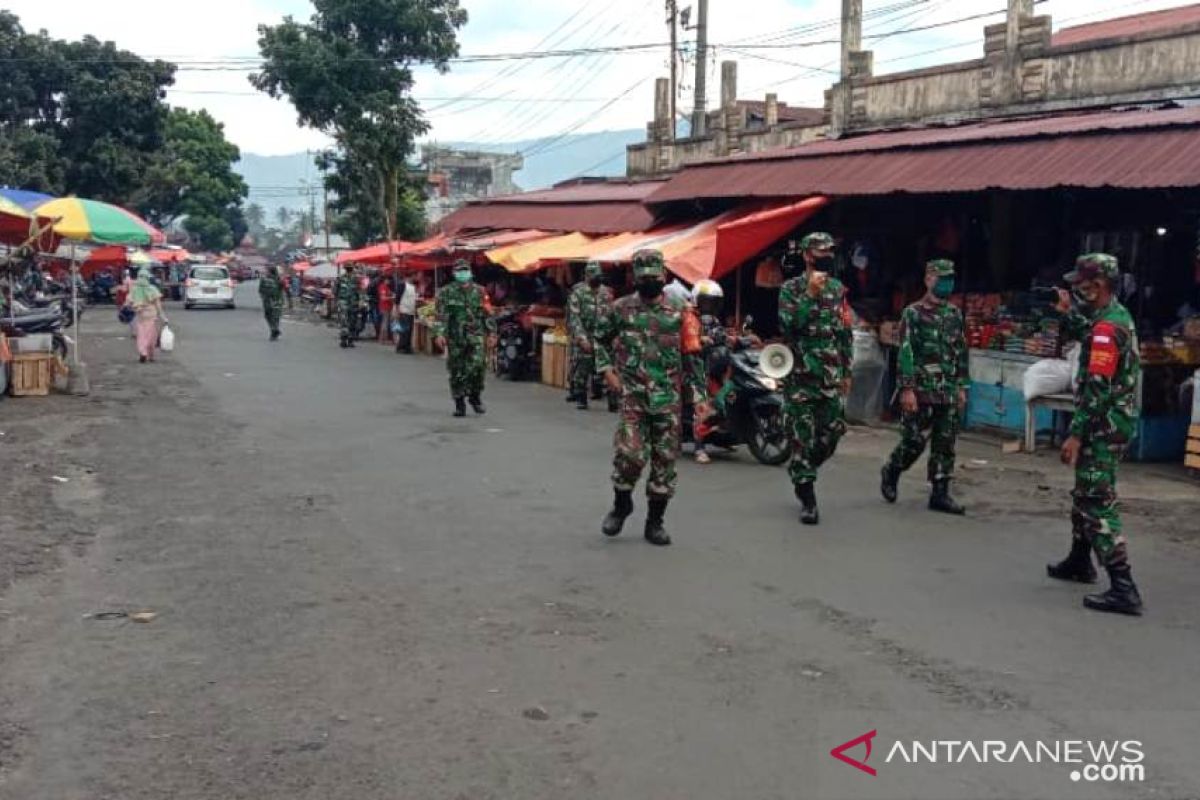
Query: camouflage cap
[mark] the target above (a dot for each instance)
(816, 241)
(649, 264)
(462, 263)
(942, 267)
(593, 269)
(1090, 266)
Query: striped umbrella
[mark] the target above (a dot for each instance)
(18, 226)
(92, 221)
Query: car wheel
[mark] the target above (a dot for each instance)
(231, 306)
(188, 306)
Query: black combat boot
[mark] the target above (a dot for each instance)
(460, 407)
(572, 397)
(614, 403)
(614, 521)
(806, 493)
(655, 533)
(342, 343)
(940, 499)
(1122, 596)
(582, 403)
(1077, 566)
(274, 335)
(597, 390)
(477, 404)
(889, 486)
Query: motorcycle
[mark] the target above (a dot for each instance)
(20, 320)
(751, 413)
(515, 354)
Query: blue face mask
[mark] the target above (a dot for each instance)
(463, 276)
(944, 287)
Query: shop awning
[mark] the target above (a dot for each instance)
(714, 247)
(591, 207)
(530, 256)
(1131, 149)
(373, 254)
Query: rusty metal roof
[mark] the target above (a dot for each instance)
(1128, 149)
(588, 207)
(1128, 26)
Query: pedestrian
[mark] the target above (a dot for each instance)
(404, 314)
(640, 350)
(934, 378)
(387, 299)
(146, 301)
(296, 286)
(588, 303)
(1105, 417)
(463, 327)
(372, 300)
(272, 293)
(814, 318)
(349, 303)
(290, 290)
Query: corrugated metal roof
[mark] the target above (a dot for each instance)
(589, 207)
(1128, 26)
(1130, 149)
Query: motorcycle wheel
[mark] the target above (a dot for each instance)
(769, 442)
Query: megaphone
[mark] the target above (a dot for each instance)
(776, 361)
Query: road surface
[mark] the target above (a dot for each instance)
(357, 596)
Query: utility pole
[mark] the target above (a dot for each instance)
(700, 108)
(672, 20)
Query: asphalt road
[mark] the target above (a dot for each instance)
(359, 597)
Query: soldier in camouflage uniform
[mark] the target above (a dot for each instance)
(273, 295)
(1104, 421)
(589, 301)
(350, 302)
(814, 318)
(933, 368)
(639, 347)
(463, 326)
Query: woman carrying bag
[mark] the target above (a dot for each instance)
(146, 302)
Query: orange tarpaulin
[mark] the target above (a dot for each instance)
(529, 256)
(167, 256)
(374, 254)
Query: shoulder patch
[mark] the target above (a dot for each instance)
(1105, 351)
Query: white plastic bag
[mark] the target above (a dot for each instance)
(1049, 376)
(166, 339)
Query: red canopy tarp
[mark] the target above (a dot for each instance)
(165, 255)
(373, 254)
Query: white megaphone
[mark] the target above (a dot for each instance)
(776, 361)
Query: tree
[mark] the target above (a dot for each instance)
(256, 219)
(348, 72)
(283, 215)
(192, 176)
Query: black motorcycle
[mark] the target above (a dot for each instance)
(20, 320)
(515, 355)
(752, 412)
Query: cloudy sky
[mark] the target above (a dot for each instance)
(512, 100)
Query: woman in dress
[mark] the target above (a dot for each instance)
(146, 302)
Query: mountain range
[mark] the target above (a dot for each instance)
(281, 181)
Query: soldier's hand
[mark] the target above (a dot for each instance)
(1070, 451)
(846, 387)
(816, 282)
(492, 341)
(440, 342)
(585, 345)
(612, 380)
(908, 401)
(962, 399)
(1064, 300)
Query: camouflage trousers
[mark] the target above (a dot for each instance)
(347, 320)
(1094, 514)
(582, 377)
(273, 314)
(941, 420)
(645, 436)
(817, 424)
(466, 361)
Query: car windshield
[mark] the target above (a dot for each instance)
(210, 273)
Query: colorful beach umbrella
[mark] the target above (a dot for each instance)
(25, 199)
(93, 221)
(18, 226)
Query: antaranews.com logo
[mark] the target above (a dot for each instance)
(1104, 761)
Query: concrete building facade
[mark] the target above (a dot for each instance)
(1025, 69)
(457, 176)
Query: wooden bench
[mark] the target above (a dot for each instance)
(1054, 402)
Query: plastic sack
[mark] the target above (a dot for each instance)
(166, 339)
(1049, 376)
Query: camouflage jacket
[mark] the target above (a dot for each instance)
(271, 291)
(463, 313)
(933, 359)
(817, 329)
(584, 309)
(643, 341)
(347, 292)
(1106, 403)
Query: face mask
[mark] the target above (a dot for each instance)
(823, 264)
(1084, 298)
(462, 276)
(594, 283)
(650, 289)
(943, 288)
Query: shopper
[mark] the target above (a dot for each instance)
(146, 302)
(404, 314)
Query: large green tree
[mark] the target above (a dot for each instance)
(192, 176)
(348, 72)
(357, 204)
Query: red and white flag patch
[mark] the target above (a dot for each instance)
(1105, 353)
